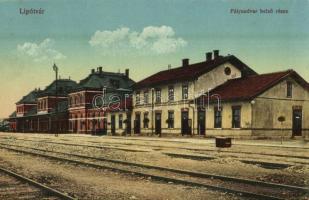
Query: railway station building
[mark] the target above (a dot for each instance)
(220, 96)
(39, 112)
(101, 103)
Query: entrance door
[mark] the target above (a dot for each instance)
(185, 128)
(137, 123)
(113, 124)
(201, 122)
(75, 126)
(104, 130)
(128, 124)
(297, 122)
(158, 123)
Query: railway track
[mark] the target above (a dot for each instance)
(243, 187)
(81, 145)
(188, 142)
(17, 186)
(267, 165)
(159, 147)
(201, 150)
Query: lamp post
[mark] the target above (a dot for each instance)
(55, 68)
(152, 107)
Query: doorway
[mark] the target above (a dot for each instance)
(128, 123)
(201, 122)
(158, 123)
(104, 130)
(113, 124)
(137, 123)
(185, 126)
(297, 122)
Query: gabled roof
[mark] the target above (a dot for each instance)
(110, 80)
(30, 98)
(13, 115)
(190, 72)
(249, 87)
(64, 86)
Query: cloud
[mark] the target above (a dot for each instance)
(40, 52)
(107, 38)
(159, 40)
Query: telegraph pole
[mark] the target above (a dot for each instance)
(55, 68)
(152, 108)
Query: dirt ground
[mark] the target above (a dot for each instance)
(88, 183)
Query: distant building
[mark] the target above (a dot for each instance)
(37, 111)
(98, 101)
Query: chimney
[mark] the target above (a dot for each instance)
(208, 56)
(185, 62)
(127, 73)
(169, 66)
(100, 70)
(92, 71)
(216, 54)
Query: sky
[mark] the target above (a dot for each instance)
(144, 36)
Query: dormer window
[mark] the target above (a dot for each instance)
(115, 83)
(60, 90)
(289, 89)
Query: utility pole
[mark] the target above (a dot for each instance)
(55, 68)
(152, 107)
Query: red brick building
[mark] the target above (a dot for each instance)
(72, 107)
(43, 110)
(94, 97)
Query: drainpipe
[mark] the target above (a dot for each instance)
(193, 121)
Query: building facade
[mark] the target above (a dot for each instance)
(220, 96)
(164, 102)
(259, 106)
(98, 100)
(43, 110)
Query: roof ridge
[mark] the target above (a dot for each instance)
(270, 73)
(197, 63)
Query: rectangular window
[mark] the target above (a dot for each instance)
(120, 121)
(138, 98)
(146, 120)
(158, 95)
(218, 117)
(236, 113)
(170, 120)
(171, 93)
(146, 97)
(185, 92)
(289, 87)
